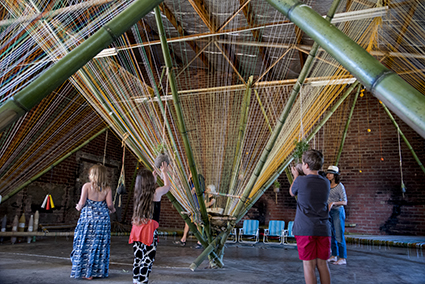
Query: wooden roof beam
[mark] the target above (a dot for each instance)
(250, 18)
(202, 11)
(182, 32)
(210, 22)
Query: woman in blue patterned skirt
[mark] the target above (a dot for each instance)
(92, 236)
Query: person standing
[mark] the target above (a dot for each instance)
(337, 200)
(92, 236)
(145, 221)
(311, 226)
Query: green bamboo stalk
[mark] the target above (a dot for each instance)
(344, 135)
(404, 137)
(242, 127)
(181, 124)
(276, 132)
(284, 165)
(283, 117)
(47, 82)
(194, 229)
(288, 175)
(6, 197)
(179, 165)
(405, 101)
(206, 252)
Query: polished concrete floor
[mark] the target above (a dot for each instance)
(47, 261)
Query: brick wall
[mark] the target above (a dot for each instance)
(375, 201)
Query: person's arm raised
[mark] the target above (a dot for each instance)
(295, 174)
(160, 191)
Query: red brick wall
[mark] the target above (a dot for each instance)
(375, 201)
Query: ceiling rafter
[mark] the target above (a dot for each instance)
(250, 18)
(207, 35)
(202, 11)
(210, 22)
(182, 32)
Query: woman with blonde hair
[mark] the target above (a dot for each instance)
(92, 236)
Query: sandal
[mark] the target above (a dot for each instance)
(198, 246)
(182, 244)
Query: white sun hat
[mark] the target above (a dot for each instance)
(333, 170)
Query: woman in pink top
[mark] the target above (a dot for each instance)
(147, 207)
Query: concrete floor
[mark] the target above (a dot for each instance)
(47, 261)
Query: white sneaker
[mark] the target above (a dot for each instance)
(341, 261)
(332, 259)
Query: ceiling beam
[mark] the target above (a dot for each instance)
(202, 11)
(182, 32)
(210, 22)
(250, 18)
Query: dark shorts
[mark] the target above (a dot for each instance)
(312, 247)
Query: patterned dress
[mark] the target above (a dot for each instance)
(92, 238)
(144, 254)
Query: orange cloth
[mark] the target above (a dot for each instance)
(143, 233)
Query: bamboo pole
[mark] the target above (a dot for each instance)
(276, 132)
(206, 252)
(179, 167)
(404, 137)
(288, 175)
(52, 78)
(289, 160)
(181, 124)
(283, 116)
(194, 229)
(386, 85)
(344, 135)
(6, 197)
(239, 145)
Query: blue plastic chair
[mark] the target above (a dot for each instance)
(249, 229)
(288, 233)
(276, 229)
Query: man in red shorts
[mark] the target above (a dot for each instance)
(312, 229)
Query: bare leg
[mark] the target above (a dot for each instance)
(324, 273)
(309, 271)
(185, 232)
